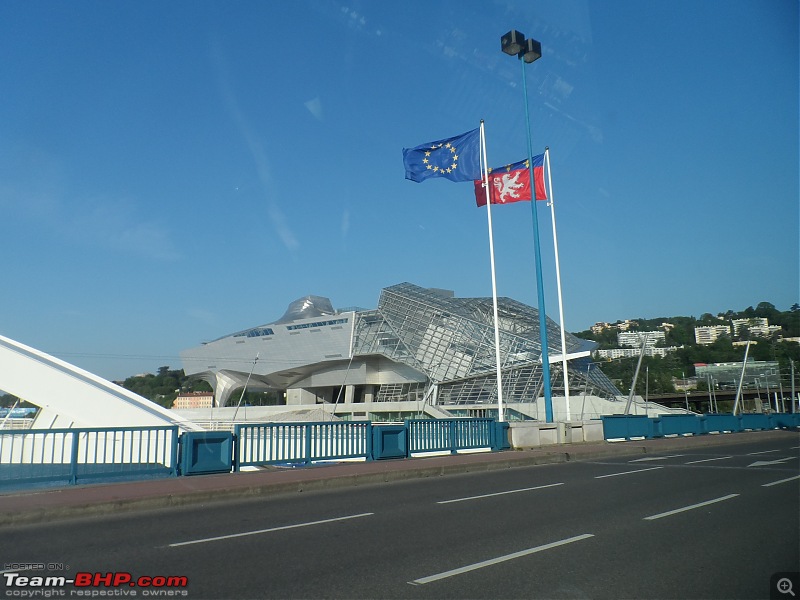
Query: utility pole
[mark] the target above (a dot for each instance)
(636, 374)
(685, 393)
(741, 378)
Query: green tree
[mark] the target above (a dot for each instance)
(7, 400)
(606, 338)
(163, 387)
(767, 311)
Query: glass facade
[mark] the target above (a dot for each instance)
(419, 345)
(758, 374)
(451, 340)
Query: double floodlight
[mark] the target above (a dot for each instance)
(514, 44)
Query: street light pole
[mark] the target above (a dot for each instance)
(528, 50)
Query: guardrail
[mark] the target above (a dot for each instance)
(304, 443)
(276, 443)
(641, 426)
(71, 456)
(450, 435)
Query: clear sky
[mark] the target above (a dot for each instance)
(171, 172)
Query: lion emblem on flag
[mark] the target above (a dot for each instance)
(508, 187)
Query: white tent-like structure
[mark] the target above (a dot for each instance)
(70, 397)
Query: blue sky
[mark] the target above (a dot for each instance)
(171, 172)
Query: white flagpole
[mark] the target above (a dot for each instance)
(500, 412)
(558, 283)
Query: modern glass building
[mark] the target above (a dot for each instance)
(420, 345)
(758, 374)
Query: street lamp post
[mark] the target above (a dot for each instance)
(528, 50)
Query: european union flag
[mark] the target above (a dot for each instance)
(456, 158)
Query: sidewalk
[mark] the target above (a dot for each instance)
(82, 501)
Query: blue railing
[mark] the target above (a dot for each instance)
(442, 435)
(276, 443)
(71, 456)
(640, 426)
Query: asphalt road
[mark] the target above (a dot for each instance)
(712, 522)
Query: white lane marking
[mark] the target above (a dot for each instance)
(628, 472)
(780, 481)
(649, 458)
(271, 529)
(761, 452)
(692, 506)
(499, 559)
(538, 487)
(694, 462)
(761, 463)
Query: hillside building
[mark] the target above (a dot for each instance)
(633, 339)
(709, 334)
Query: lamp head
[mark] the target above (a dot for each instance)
(512, 42)
(531, 51)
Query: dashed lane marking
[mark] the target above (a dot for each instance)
(628, 472)
(780, 481)
(499, 559)
(538, 487)
(669, 513)
(270, 530)
(694, 462)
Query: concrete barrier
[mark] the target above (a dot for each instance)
(533, 434)
(593, 431)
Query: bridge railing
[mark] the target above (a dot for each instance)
(81, 455)
(72, 456)
(639, 426)
(442, 435)
(275, 443)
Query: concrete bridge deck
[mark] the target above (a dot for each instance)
(85, 501)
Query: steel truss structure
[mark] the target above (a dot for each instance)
(451, 341)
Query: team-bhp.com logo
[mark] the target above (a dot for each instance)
(86, 584)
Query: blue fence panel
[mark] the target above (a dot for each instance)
(126, 452)
(785, 420)
(475, 433)
(440, 435)
(205, 452)
(274, 443)
(627, 426)
(755, 421)
(631, 426)
(677, 425)
(429, 435)
(721, 422)
(33, 456)
(501, 436)
(340, 440)
(70, 456)
(389, 441)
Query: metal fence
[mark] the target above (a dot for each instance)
(442, 435)
(72, 456)
(81, 455)
(276, 443)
